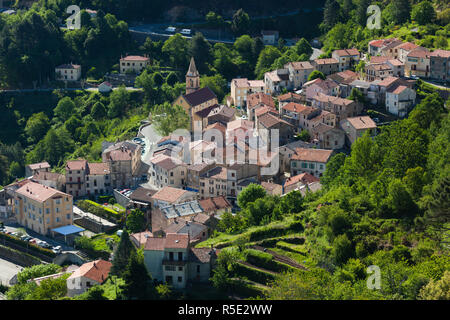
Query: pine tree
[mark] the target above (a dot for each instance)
(438, 214)
(361, 12)
(138, 282)
(122, 254)
(331, 13)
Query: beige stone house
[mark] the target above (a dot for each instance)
(312, 161)
(299, 72)
(327, 66)
(167, 171)
(34, 168)
(400, 100)
(328, 137)
(347, 58)
(133, 64)
(418, 63)
(341, 107)
(298, 181)
(41, 208)
(355, 127)
(242, 87)
(172, 260)
(88, 275)
(124, 162)
(68, 72)
(440, 65)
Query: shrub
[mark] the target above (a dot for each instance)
(265, 260)
(31, 247)
(37, 271)
(254, 274)
(99, 210)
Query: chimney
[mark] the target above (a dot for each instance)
(95, 265)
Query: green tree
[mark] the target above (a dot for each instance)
(158, 79)
(15, 170)
(94, 293)
(138, 283)
(200, 49)
(65, 108)
(176, 49)
(37, 271)
(98, 111)
(302, 46)
(331, 14)
(37, 126)
(342, 249)
(333, 169)
(21, 291)
(361, 11)
(250, 194)
(122, 254)
(265, 60)
(50, 289)
(437, 290)
(119, 102)
(240, 22)
(171, 78)
(304, 136)
(216, 83)
(244, 45)
(168, 118)
(136, 221)
(423, 13)
(316, 74)
(357, 95)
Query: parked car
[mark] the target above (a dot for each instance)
(57, 249)
(186, 31)
(34, 241)
(171, 29)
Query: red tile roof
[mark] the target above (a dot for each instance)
(215, 203)
(347, 52)
(39, 192)
(40, 165)
(304, 178)
(364, 122)
(268, 120)
(440, 53)
(135, 58)
(313, 155)
(295, 107)
(326, 61)
(259, 98)
(97, 271)
(169, 194)
(76, 165)
(98, 168)
(288, 96)
(176, 241)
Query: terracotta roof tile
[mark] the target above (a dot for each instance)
(313, 155)
(39, 192)
(97, 271)
(304, 178)
(169, 194)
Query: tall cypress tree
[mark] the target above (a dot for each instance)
(331, 13)
(122, 254)
(138, 282)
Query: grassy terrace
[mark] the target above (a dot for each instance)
(276, 230)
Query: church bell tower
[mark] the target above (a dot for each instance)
(192, 78)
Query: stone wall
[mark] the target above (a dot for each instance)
(18, 257)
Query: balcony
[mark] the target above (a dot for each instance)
(167, 262)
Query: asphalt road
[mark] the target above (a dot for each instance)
(7, 271)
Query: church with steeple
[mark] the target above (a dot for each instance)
(196, 101)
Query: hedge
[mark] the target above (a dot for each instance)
(99, 210)
(31, 246)
(270, 232)
(265, 260)
(253, 274)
